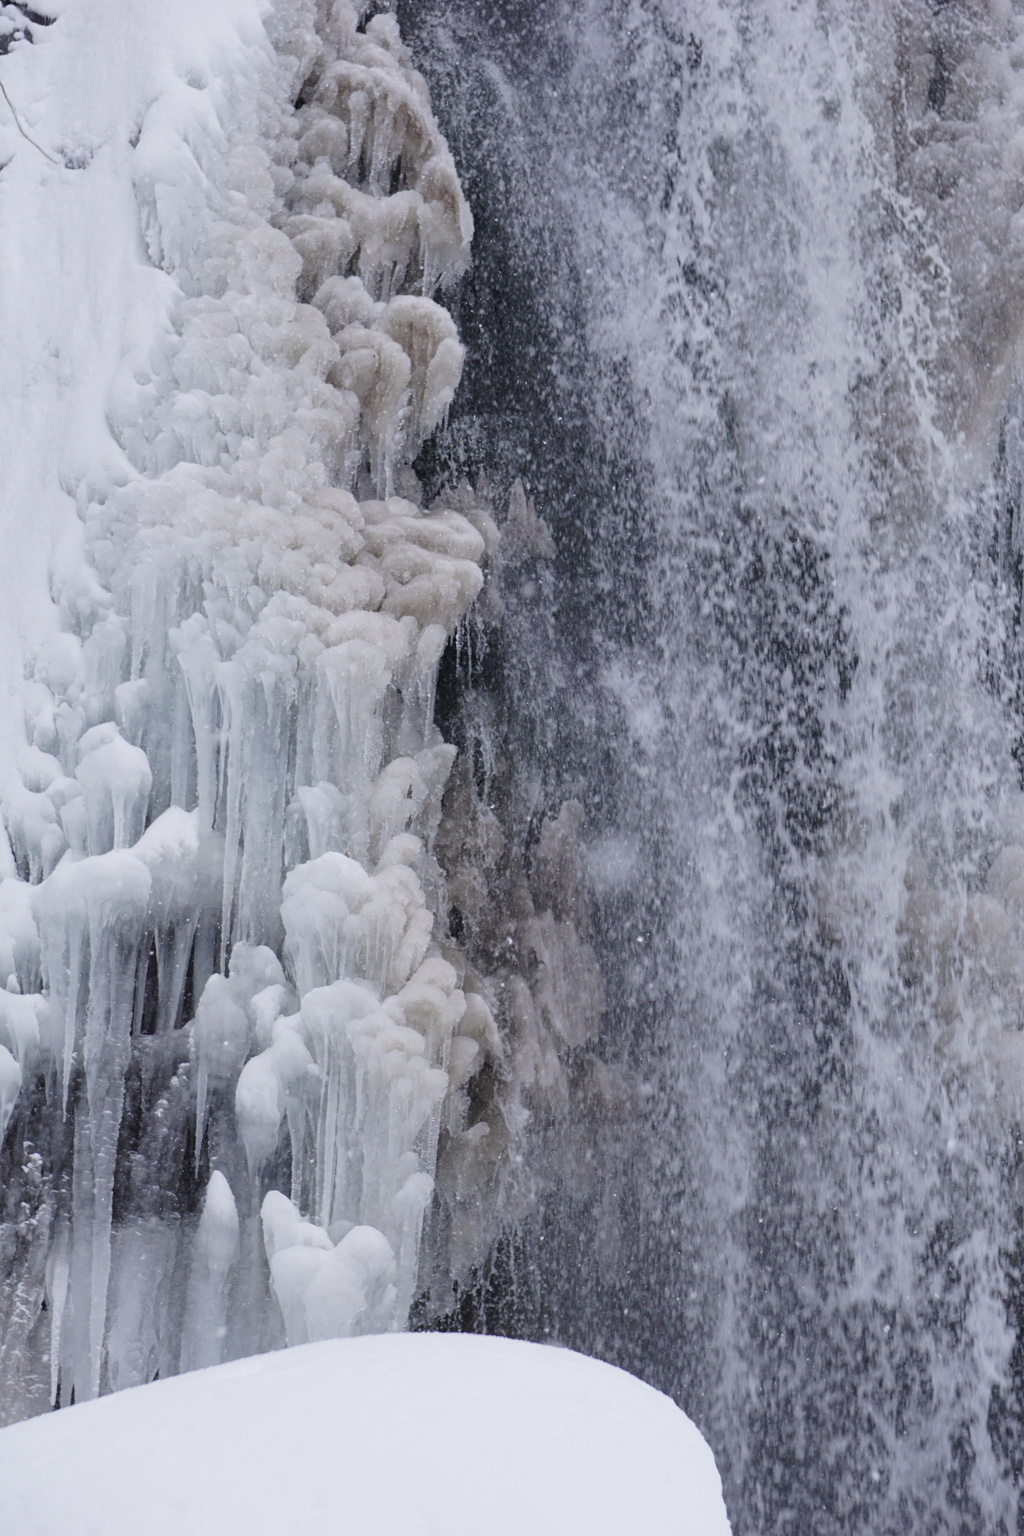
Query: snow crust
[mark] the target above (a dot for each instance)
(407, 1435)
(220, 777)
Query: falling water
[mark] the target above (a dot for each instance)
(743, 316)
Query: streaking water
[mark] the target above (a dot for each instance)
(769, 261)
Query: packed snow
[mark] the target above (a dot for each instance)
(394, 1435)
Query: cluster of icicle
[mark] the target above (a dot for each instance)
(229, 1038)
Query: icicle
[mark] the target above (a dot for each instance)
(10, 1087)
(116, 781)
(327, 1290)
(220, 1038)
(25, 1022)
(266, 1085)
(58, 1269)
(215, 1253)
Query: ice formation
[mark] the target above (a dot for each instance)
(231, 1028)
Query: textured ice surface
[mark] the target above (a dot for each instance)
(409, 1435)
(220, 776)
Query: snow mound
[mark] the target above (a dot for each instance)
(394, 1435)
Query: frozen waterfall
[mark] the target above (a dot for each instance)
(233, 1027)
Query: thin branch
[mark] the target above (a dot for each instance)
(28, 136)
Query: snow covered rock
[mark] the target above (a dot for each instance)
(394, 1435)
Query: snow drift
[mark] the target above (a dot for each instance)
(386, 1436)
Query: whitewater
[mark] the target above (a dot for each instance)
(770, 255)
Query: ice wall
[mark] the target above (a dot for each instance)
(231, 1027)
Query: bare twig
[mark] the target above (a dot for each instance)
(21, 130)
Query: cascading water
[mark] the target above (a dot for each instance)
(768, 258)
(674, 1009)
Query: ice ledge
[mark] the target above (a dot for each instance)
(389, 1435)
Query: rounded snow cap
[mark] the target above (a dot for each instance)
(385, 1435)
